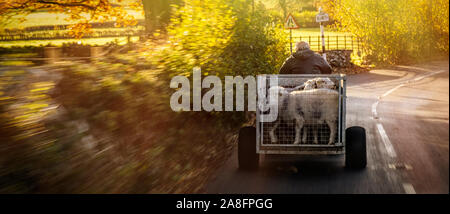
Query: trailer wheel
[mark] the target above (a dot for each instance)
(355, 147)
(247, 157)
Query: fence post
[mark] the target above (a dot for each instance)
(300, 39)
(309, 41)
(290, 39)
(359, 50)
(352, 41)
(318, 43)
(95, 52)
(51, 54)
(337, 42)
(345, 42)
(328, 42)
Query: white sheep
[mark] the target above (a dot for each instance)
(310, 106)
(319, 82)
(282, 103)
(315, 107)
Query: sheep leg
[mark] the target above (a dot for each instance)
(305, 134)
(316, 140)
(332, 124)
(273, 138)
(299, 122)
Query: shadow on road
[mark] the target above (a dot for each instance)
(309, 175)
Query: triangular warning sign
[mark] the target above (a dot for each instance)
(290, 22)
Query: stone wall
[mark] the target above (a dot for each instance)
(339, 58)
(341, 62)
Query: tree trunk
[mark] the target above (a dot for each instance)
(157, 14)
(151, 10)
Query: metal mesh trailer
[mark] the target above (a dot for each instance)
(285, 130)
(309, 121)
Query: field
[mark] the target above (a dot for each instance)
(46, 18)
(314, 32)
(334, 40)
(59, 42)
(304, 33)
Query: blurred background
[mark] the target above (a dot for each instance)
(84, 85)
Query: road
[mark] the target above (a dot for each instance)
(405, 110)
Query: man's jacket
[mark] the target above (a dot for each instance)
(305, 62)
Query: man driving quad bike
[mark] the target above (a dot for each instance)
(305, 61)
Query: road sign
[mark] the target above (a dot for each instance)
(290, 23)
(322, 17)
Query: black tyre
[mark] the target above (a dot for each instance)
(247, 157)
(355, 147)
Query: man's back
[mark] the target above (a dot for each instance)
(305, 62)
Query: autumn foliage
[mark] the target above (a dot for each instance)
(83, 12)
(395, 31)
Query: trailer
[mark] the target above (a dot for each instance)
(316, 129)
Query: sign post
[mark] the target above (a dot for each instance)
(322, 17)
(290, 24)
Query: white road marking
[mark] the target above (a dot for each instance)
(387, 143)
(408, 167)
(392, 90)
(427, 75)
(409, 189)
(400, 166)
(374, 110)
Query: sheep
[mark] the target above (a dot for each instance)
(316, 83)
(319, 82)
(282, 105)
(310, 106)
(314, 107)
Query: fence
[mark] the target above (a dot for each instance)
(340, 42)
(42, 35)
(95, 25)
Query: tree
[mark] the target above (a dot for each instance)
(294, 5)
(158, 13)
(83, 11)
(396, 31)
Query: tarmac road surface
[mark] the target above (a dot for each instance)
(405, 111)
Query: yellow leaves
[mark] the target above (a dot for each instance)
(13, 72)
(42, 86)
(6, 98)
(81, 12)
(109, 81)
(80, 29)
(35, 106)
(391, 30)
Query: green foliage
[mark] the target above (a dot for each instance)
(132, 141)
(291, 6)
(197, 36)
(396, 31)
(158, 13)
(26, 146)
(223, 38)
(306, 18)
(257, 45)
